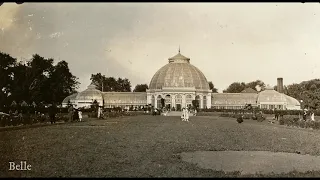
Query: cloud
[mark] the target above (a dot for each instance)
(227, 41)
(7, 14)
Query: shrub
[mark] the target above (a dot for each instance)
(316, 125)
(264, 111)
(239, 120)
(281, 122)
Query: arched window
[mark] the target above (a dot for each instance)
(178, 99)
(204, 102)
(168, 99)
(189, 100)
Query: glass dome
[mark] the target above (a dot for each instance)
(90, 94)
(71, 98)
(179, 73)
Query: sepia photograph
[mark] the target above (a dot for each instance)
(149, 90)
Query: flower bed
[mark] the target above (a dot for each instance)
(29, 119)
(121, 114)
(257, 117)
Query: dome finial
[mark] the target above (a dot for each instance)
(179, 48)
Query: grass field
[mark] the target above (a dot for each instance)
(143, 146)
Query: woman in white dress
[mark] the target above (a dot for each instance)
(186, 114)
(312, 116)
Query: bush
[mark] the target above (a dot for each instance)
(239, 120)
(281, 122)
(264, 111)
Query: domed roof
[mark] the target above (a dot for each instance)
(249, 90)
(271, 95)
(91, 93)
(292, 101)
(179, 73)
(71, 98)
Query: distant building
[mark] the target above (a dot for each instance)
(179, 83)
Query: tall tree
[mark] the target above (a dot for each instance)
(62, 83)
(6, 71)
(211, 86)
(235, 87)
(40, 82)
(110, 83)
(140, 88)
(124, 85)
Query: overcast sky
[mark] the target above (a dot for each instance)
(228, 42)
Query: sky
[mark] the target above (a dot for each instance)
(228, 42)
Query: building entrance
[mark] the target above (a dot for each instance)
(178, 107)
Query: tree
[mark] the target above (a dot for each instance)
(62, 83)
(124, 85)
(256, 83)
(235, 87)
(110, 83)
(211, 86)
(307, 91)
(40, 81)
(285, 89)
(140, 88)
(195, 103)
(6, 71)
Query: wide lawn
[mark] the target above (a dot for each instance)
(142, 146)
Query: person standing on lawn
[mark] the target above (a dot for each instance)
(186, 116)
(75, 115)
(70, 113)
(52, 114)
(312, 115)
(80, 115)
(305, 112)
(183, 114)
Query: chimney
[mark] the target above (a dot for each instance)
(280, 85)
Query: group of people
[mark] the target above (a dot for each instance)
(305, 114)
(185, 114)
(75, 114)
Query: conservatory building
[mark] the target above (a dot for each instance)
(178, 83)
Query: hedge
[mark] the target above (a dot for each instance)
(296, 122)
(264, 111)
